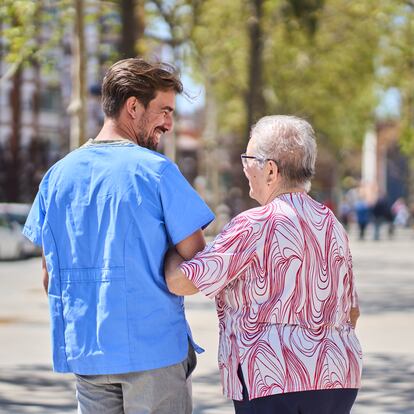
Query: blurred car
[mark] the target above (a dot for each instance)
(13, 245)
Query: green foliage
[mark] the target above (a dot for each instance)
(221, 45)
(397, 61)
(209, 36)
(407, 139)
(18, 30)
(31, 29)
(320, 61)
(328, 78)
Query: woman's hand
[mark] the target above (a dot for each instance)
(354, 315)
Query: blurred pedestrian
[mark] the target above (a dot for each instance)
(362, 212)
(105, 216)
(400, 212)
(282, 278)
(345, 213)
(381, 212)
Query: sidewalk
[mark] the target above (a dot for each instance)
(385, 280)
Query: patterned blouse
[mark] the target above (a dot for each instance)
(282, 278)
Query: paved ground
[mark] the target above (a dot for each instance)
(385, 278)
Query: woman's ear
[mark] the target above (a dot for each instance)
(272, 171)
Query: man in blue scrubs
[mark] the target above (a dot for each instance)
(105, 216)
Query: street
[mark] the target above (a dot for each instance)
(385, 279)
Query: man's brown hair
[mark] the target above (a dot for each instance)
(139, 78)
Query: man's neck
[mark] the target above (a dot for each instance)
(112, 131)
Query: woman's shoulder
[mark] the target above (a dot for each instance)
(255, 214)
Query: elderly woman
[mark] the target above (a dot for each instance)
(282, 278)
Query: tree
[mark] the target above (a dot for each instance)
(188, 23)
(255, 104)
(312, 58)
(397, 60)
(18, 47)
(132, 27)
(18, 33)
(77, 106)
(220, 51)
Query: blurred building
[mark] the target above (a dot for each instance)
(34, 120)
(385, 169)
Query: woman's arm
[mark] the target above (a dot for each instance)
(177, 282)
(212, 269)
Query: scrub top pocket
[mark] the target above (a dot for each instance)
(94, 300)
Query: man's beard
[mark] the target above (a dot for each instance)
(146, 141)
(144, 137)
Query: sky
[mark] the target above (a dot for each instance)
(390, 102)
(197, 93)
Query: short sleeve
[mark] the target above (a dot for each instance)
(184, 210)
(226, 258)
(35, 220)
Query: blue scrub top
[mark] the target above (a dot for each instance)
(105, 216)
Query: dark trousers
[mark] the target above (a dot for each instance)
(336, 401)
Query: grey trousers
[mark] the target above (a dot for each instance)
(158, 391)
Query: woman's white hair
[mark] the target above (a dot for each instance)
(290, 142)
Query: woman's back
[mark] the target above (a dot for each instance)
(284, 287)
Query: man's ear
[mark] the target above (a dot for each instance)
(132, 106)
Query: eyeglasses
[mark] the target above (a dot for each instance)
(245, 157)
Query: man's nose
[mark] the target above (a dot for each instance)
(169, 122)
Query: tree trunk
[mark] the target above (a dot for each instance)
(132, 27)
(255, 105)
(77, 106)
(33, 153)
(13, 179)
(210, 141)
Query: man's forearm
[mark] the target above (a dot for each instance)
(188, 247)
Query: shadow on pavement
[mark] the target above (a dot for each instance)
(387, 385)
(383, 302)
(387, 389)
(384, 285)
(36, 389)
(207, 394)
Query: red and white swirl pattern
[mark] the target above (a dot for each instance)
(282, 278)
